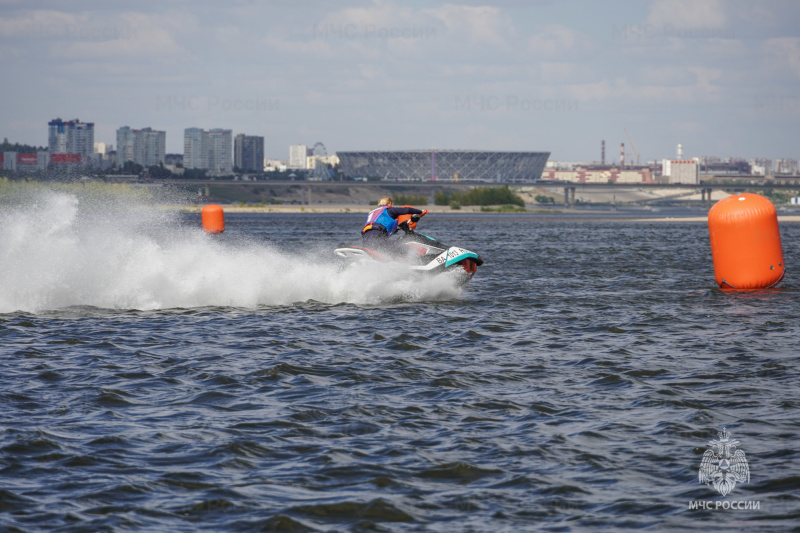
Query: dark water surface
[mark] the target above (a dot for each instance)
(573, 385)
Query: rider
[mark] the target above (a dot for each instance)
(382, 222)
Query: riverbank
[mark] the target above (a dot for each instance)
(610, 214)
(781, 218)
(325, 208)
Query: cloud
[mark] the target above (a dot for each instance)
(9, 54)
(678, 85)
(476, 25)
(385, 30)
(783, 55)
(665, 75)
(687, 14)
(41, 25)
(381, 14)
(595, 91)
(437, 68)
(87, 36)
(288, 48)
(557, 41)
(558, 71)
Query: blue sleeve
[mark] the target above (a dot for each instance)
(395, 212)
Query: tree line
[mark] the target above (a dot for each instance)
(20, 148)
(479, 196)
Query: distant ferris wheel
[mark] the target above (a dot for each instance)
(320, 170)
(319, 150)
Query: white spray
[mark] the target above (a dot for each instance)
(61, 249)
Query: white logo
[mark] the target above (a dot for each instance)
(724, 466)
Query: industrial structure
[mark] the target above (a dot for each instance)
(452, 165)
(680, 171)
(599, 175)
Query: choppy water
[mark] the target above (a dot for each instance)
(156, 378)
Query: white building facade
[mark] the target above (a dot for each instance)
(761, 166)
(297, 156)
(681, 170)
(210, 150)
(786, 166)
(220, 151)
(146, 147)
(195, 148)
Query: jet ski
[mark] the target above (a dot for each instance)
(422, 253)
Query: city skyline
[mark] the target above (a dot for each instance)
(718, 77)
(71, 142)
(147, 147)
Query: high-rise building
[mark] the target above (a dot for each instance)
(103, 155)
(150, 147)
(71, 137)
(220, 145)
(248, 152)
(786, 166)
(760, 166)
(208, 150)
(103, 148)
(195, 148)
(146, 147)
(125, 142)
(297, 155)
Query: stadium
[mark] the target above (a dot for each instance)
(453, 165)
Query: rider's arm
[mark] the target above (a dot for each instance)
(395, 212)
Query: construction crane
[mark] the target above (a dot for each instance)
(633, 147)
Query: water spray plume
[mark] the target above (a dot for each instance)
(118, 249)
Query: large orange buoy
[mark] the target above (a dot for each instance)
(745, 242)
(213, 219)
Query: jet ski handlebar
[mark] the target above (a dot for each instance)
(404, 226)
(409, 222)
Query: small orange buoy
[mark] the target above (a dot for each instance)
(213, 219)
(745, 242)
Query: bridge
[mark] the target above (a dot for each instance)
(705, 188)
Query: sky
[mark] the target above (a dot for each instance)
(720, 77)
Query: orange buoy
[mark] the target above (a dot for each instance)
(213, 219)
(745, 242)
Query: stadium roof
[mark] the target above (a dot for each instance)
(420, 165)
